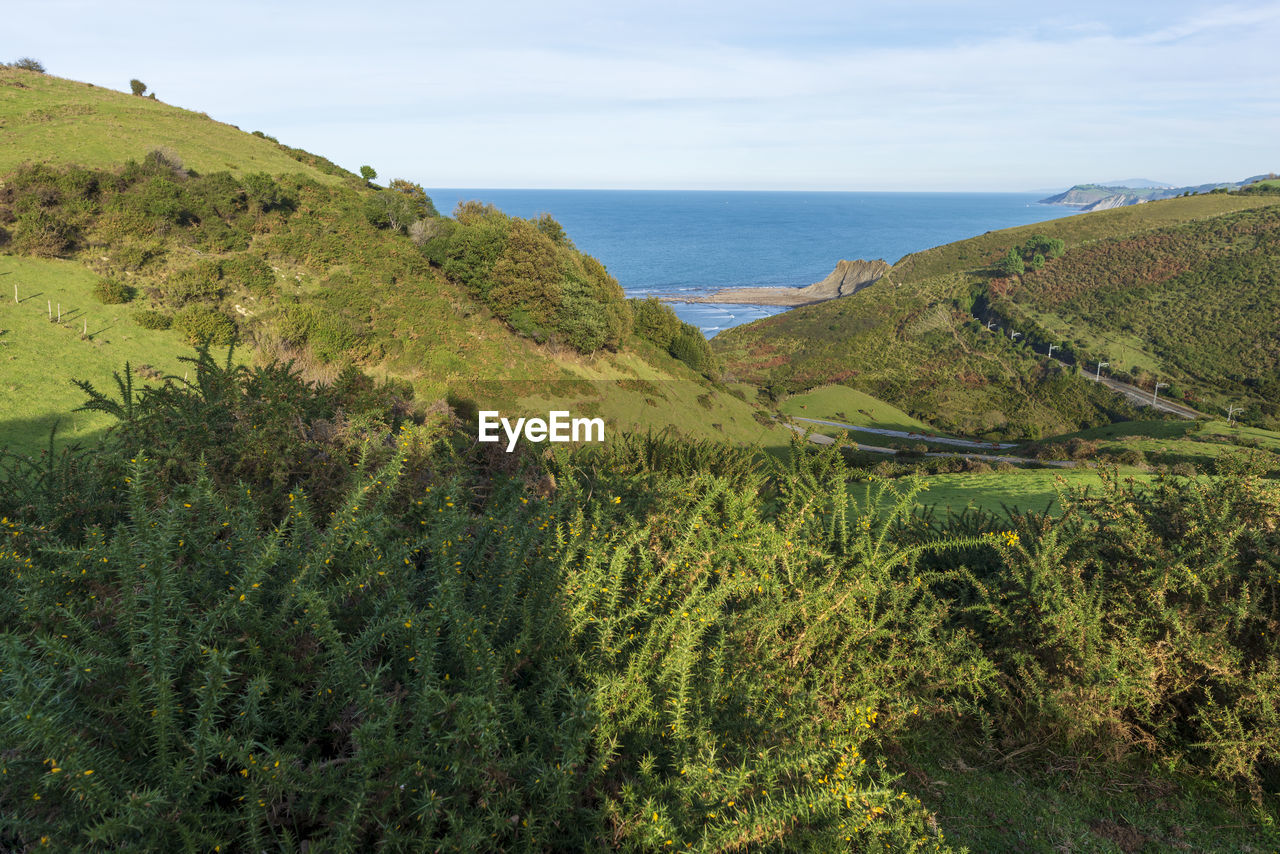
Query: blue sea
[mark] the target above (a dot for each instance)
(692, 243)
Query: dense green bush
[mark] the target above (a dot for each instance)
(423, 666)
(265, 193)
(201, 323)
(532, 277)
(200, 283)
(690, 346)
(239, 624)
(113, 292)
(152, 319)
(655, 321)
(1145, 622)
(43, 233)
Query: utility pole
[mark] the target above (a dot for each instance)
(1231, 414)
(1097, 377)
(1051, 346)
(1013, 335)
(990, 323)
(1156, 392)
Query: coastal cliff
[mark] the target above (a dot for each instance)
(847, 278)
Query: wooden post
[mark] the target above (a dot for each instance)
(15, 293)
(51, 311)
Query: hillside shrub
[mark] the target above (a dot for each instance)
(43, 233)
(543, 288)
(690, 346)
(655, 321)
(1149, 629)
(28, 64)
(137, 87)
(113, 292)
(152, 319)
(423, 207)
(201, 283)
(201, 323)
(264, 193)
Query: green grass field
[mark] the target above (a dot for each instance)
(64, 121)
(1021, 489)
(1200, 443)
(841, 403)
(39, 358)
(1266, 439)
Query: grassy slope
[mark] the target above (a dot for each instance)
(38, 358)
(1022, 489)
(50, 119)
(1193, 304)
(909, 339)
(848, 405)
(426, 329)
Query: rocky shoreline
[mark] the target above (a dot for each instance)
(847, 278)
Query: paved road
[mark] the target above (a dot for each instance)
(902, 434)
(820, 439)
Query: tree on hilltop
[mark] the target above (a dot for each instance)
(138, 87)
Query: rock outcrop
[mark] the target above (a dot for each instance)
(847, 278)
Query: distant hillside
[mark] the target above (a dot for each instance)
(918, 338)
(1138, 182)
(1095, 197)
(1193, 305)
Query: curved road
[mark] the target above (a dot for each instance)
(902, 434)
(820, 439)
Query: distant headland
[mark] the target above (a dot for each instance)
(847, 278)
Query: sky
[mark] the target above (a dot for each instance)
(999, 96)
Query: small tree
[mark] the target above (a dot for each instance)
(1011, 264)
(421, 201)
(368, 173)
(138, 87)
(29, 64)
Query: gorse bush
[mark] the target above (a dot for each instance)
(113, 292)
(559, 673)
(151, 319)
(1147, 622)
(201, 323)
(273, 615)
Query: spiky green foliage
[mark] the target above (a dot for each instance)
(654, 644)
(1148, 621)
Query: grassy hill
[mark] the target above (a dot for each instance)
(53, 120)
(1193, 305)
(913, 340)
(214, 231)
